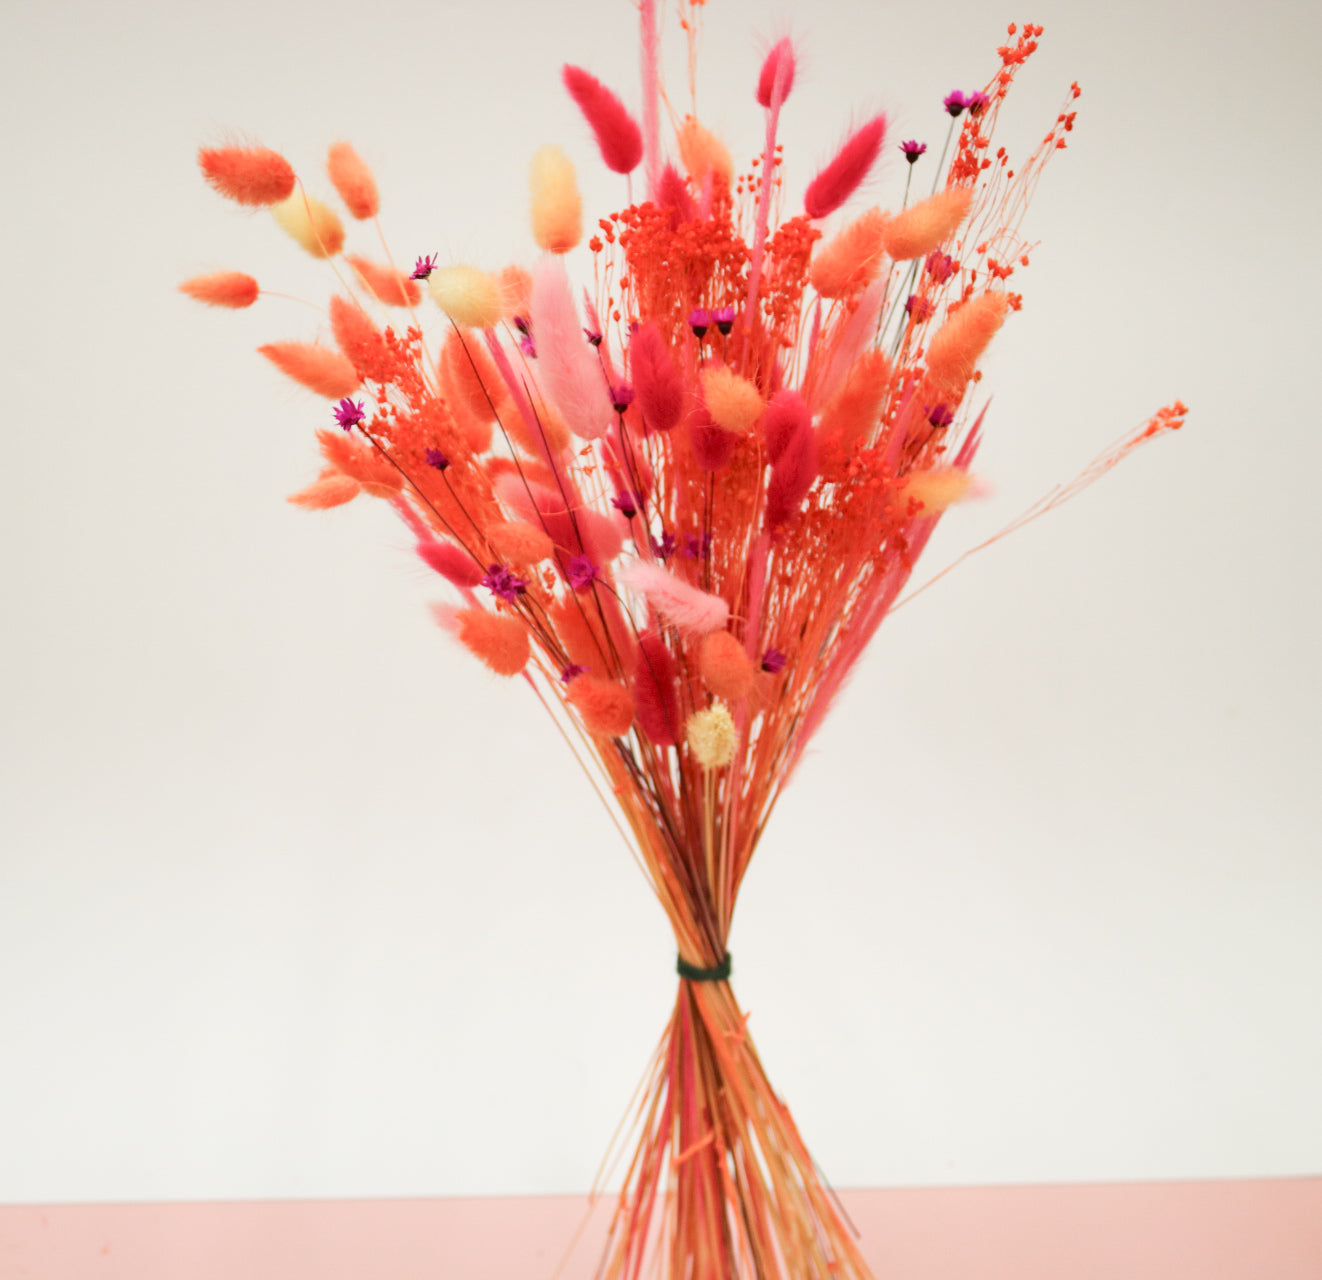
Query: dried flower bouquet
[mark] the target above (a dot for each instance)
(679, 510)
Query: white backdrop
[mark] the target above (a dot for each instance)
(295, 901)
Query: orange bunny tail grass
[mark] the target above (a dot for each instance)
(251, 175)
(329, 491)
(315, 226)
(517, 543)
(319, 369)
(360, 340)
(389, 287)
(607, 708)
(497, 639)
(959, 343)
(853, 259)
(704, 154)
(726, 668)
(223, 289)
(928, 224)
(353, 180)
(940, 487)
(557, 208)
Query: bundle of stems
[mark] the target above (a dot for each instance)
(680, 513)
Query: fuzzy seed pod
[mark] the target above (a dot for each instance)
(656, 381)
(315, 226)
(957, 346)
(655, 691)
(389, 287)
(452, 563)
(734, 403)
(690, 609)
(326, 372)
(360, 340)
(703, 152)
(928, 224)
(851, 261)
(712, 736)
(786, 417)
(329, 491)
(940, 487)
(361, 463)
(515, 542)
(726, 668)
(468, 296)
(354, 181)
(792, 477)
(557, 207)
(501, 641)
(856, 408)
(222, 289)
(779, 62)
(250, 175)
(618, 136)
(606, 707)
(845, 173)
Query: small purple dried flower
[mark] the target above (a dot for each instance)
(700, 322)
(912, 150)
(572, 670)
(435, 458)
(528, 346)
(955, 103)
(349, 413)
(724, 318)
(665, 548)
(940, 415)
(504, 582)
(621, 397)
(774, 661)
(581, 572)
(424, 267)
(976, 101)
(627, 503)
(593, 336)
(940, 266)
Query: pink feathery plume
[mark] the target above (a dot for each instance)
(779, 63)
(844, 175)
(786, 416)
(568, 368)
(451, 563)
(690, 609)
(782, 77)
(657, 385)
(655, 692)
(651, 60)
(618, 136)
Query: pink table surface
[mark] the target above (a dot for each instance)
(1269, 1229)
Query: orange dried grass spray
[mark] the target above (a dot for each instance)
(765, 432)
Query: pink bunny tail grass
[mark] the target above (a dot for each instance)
(651, 75)
(389, 287)
(353, 180)
(726, 668)
(374, 472)
(658, 388)
(713, 447)
(792, 477)
(222, 289)
(691, 610)
(326, 372)
(844, 175)
(851, 261)
(780, 61)
(672, 193)
(568, 369)
(656, 691)
(618, 136)
(452, 563)
(517, 543)
(957, 346)
(928, 224)
(251, 175)
(499, 640)
(329, 491)
(360, 340)
(787, 416)
(607, 708)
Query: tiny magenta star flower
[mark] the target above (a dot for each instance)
(581, 572)
(504, 582)
(627, 503)
(435, 458)
(976, 101)
(593, 336)
(955, 102)
(940, 415)
(774, 661)
(912, 150)
(572, 670)
(700, 321)
(621, 397)
(940, 266)
(664, 547)
(349, 413)
(424, 267)
(724, 318)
